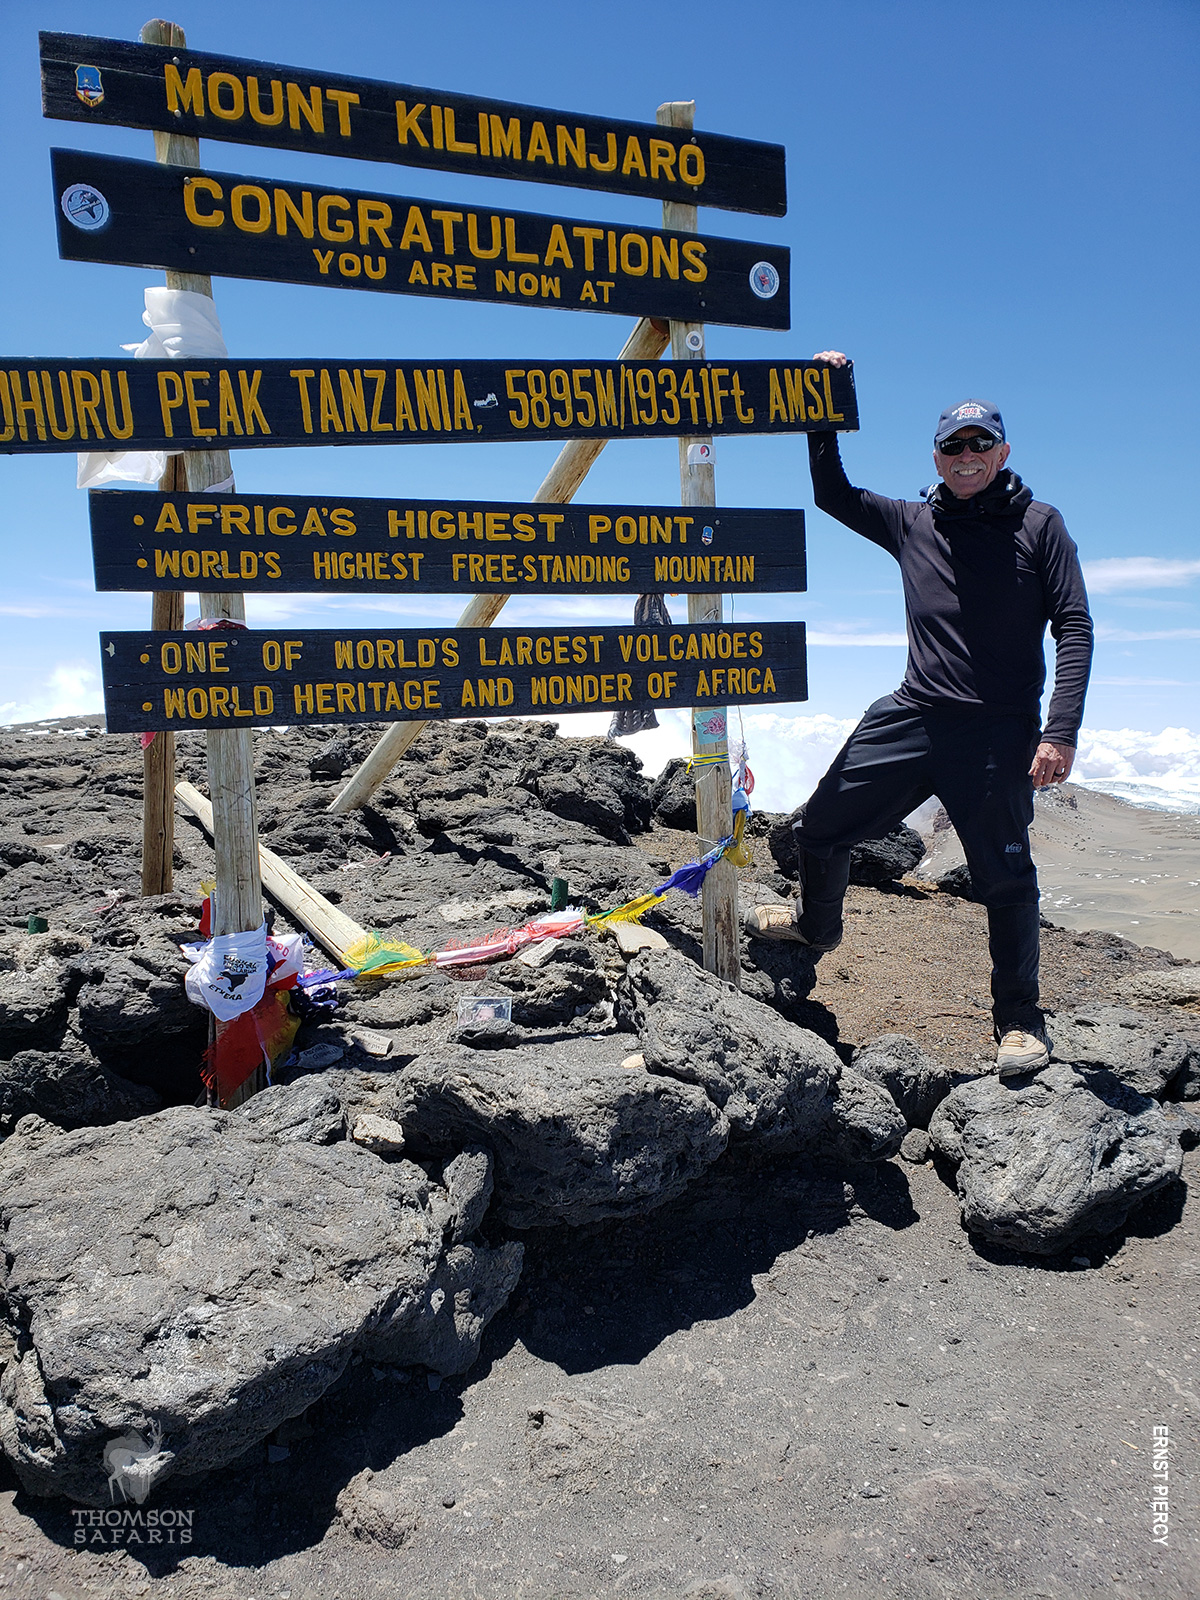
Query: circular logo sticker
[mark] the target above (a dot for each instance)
(87, 208)
(764, 280)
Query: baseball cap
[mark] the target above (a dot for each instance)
(967, 414)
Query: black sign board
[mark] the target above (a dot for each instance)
(258, 103)
(141, 214)
(295, 544)
(254, 678)
(50, 404)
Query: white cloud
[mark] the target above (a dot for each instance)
(1155, 768)
(1147, 683)
(789, 754)
(72, 690)
(1120, 573)
(843, 639)
(1109, 635)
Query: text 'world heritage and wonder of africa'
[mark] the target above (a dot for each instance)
(246, 678)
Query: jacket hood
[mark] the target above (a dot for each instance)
(1006, 495)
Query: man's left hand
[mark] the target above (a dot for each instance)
(1051, 764)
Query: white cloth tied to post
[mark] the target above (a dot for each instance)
(230, 972)
(183, 325)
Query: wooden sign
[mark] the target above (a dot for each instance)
(254, 678)
(50, 404)
(140, 214)
(252, 102)
(296, 544)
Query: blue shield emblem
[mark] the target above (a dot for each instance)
(88, 85)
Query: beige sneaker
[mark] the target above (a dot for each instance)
(1020, 1053)
(777, 922)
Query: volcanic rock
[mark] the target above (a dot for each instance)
(1178, 986)
(781, 1087)
(379, 1510)
(916, 1082)
(67, 1087)
(1141, 1052)
(872, 863)
(1044, 1163)
(673, 797)
(875, 862)
(195, 1280)
(575, 1139)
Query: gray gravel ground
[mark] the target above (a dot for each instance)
(782, 1385)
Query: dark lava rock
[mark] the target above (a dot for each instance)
(1064, 1155)
(1141, 1052)
(332, 760)
(875, 862)
(69, 1088)
(33, 1005)
(916, 1146)
(781, 1088)
(195, 1281)
(575, 1136)
(872, 863)
(958, 882)
(134, 1014)
(308, 1110)
(673, 797)
(916, 1082)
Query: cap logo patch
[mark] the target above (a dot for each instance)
(968, 411)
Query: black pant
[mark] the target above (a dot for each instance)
(977, 764)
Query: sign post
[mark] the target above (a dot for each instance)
(166, 605)
(710, 748)
(237, 900)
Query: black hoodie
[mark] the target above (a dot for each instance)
(982, 578)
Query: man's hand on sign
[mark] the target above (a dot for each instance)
(835, 358)
(1051, 764)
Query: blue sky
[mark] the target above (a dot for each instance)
(995, 201)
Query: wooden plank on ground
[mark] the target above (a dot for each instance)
(332, 930)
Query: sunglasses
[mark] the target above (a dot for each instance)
(978, 446)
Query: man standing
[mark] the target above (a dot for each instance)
(985, 567)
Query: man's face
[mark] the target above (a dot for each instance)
(966, 474)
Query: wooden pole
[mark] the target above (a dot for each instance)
(237, 902)
(158, 757)
(166, 606)
(572, 464)
(714, 789)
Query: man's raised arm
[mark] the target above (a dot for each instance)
(875, 517)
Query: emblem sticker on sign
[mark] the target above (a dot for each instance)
(85, 206)
(89, 86)
(764, 280)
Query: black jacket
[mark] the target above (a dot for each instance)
(982, 577)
